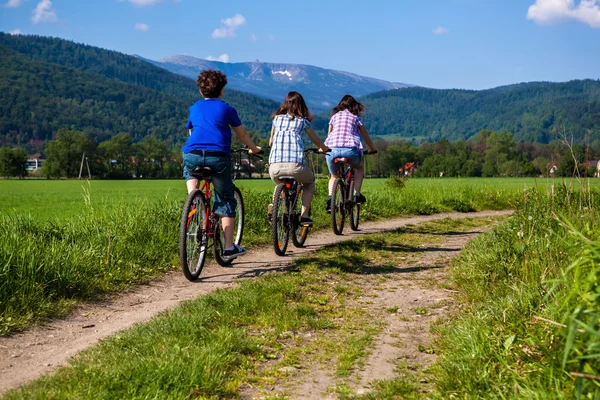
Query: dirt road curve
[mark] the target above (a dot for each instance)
(28, 355)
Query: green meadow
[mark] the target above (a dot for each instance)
(59, 199)
(68, 241)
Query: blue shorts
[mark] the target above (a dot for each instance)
(353, 154)
(224, 203)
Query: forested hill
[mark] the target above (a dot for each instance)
(530, 111)
(50, 83)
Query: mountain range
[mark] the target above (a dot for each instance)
(50, 83)
(321, 88)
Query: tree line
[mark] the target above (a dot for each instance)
(488, 154)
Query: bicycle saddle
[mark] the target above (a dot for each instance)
(202, 171)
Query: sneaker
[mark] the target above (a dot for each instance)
(359, 199)
(237, 251)
(306, 221)
(328, 205)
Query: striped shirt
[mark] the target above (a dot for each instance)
(287, 143)
(344, 132)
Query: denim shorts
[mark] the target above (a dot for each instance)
(353, 154)
(224, 203)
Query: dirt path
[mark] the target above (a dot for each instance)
(28, 355)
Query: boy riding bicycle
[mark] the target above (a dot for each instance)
(209, 144)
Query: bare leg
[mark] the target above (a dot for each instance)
(331, 182)
(306, 199)
(228, 224)
(191, 184)
(359, 174)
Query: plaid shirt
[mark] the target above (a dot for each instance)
(344, 132)
(287, 139)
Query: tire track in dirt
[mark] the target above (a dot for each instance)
(28, 355)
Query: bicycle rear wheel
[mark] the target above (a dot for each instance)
(280, 227)
(338, 210)
(193, 236)
(299, 232)
(354, 209)
(238, 230)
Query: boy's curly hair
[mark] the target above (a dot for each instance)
(211, 82)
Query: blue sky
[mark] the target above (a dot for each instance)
(469, 44)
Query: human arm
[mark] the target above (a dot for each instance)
(271, 137)
(368, 141)
(316, 140)
(242, 134)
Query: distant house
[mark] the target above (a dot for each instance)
(35, 162)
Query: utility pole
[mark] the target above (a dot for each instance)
(81, 166)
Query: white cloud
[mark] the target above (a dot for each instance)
(556, 11)
(142, 27)
(15, 32)
(230, 25)
(44, 13)
(14, 3)
(222, 58)
(253, 37)
(440, 30)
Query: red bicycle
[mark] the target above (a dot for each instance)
(342, 198)
(200, 227)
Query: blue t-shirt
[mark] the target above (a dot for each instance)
(209, 121)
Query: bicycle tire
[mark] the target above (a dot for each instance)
(280, 230)
(238, 230)
(338, 210)
(193, 236)
(299, 232)
(354, 209)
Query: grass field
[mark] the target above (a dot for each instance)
(59, 199)
(65, 242)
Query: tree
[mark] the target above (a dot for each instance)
(65, 152)
(13, 162)
(117, 153)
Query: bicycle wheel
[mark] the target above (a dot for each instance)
(193, 237)
(280, 232)
(238, 230)
(354, 209)
(338, 210)
(299, 233)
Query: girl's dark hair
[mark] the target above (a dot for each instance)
(211, 82)
(349, 103)
(295, 106)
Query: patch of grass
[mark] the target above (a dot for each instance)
(210, 347)
(517, 284)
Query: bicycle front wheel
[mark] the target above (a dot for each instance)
(354, 209)
(338, 209)
(238, 230)
(193, 235)
(280, 232)
(299, 232)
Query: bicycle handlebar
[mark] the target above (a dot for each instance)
(315, 150)
(247, 151)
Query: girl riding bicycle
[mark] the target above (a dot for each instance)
(209, 146)
(287, 148)
(345, 131)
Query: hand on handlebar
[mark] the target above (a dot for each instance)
(372, 151)
(253, 152)
(324, 149)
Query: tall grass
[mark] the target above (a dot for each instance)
(528, 320)
(47, 265)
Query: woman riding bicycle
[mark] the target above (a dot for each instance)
(209, 146)
(287, 148)
(345, 131)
